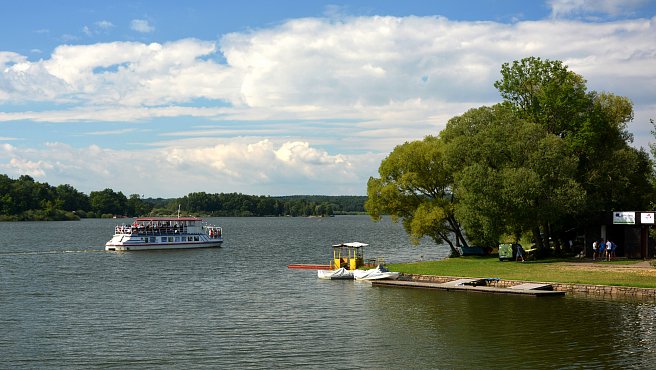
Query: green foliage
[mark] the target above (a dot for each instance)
(415, 188)
(545, 160)
(25, 199)
(610, 174)
(544, 92)
(510, 174)
(236, 204)
(108, 201)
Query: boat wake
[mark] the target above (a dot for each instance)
(34, 253)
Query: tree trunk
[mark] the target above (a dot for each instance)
(537, 237)
(547, 237)
(455, 227)
(454, 251)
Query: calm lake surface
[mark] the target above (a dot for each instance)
(65, 303)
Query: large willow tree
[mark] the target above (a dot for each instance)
(511, 175)
(415, 187)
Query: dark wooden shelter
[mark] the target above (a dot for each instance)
(629, 230)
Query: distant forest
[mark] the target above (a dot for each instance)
(25, 199)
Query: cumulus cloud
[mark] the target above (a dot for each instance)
(330, 87)
(308, 68)
(226, 167)
(119, 74)
(141, 25)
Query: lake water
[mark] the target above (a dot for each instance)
(64, 302)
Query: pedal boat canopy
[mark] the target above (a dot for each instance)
(348, 255)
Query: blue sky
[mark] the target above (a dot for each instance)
(163, 98)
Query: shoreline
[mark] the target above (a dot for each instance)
(586, 290)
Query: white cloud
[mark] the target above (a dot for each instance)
(120, 73)
(100, 27)
(232, 166)
(141, 25)
(564, 8)
(311, 67)
(325, 88)
(104, 24)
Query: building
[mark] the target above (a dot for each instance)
(629, 230)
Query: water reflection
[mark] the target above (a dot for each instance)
(473, 330)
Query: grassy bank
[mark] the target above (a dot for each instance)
(620, 273)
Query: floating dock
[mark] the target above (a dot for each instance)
(475, 285)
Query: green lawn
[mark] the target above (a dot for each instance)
(620, 273)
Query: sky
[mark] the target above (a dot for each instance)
(165, 98)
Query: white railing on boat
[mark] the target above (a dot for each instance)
(210, 230)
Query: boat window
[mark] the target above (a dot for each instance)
(196, 238)
(163, 239)
(152, 239)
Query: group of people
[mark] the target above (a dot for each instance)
(603, 250)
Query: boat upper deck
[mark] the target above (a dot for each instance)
(167, 226)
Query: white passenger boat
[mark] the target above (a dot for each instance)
(153, 233)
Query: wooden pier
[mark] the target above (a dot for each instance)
(474, 285)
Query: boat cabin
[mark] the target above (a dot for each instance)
(348, 255)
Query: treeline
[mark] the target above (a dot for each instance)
(25, 199)
(234, 204)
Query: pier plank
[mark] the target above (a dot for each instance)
(469, 288)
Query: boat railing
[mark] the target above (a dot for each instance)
(150, 230)
(375, 261)
(214, 232)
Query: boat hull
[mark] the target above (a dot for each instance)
(381, 276)
(160, 246)
(379, 273)
(339, 274)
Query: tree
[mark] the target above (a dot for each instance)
(71, 199)
(415, 187)
(545, 92)
(137, 207)
(108, 202)
(511, 175)
(593, 126)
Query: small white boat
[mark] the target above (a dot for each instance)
(153, 233)
(339, 274)
(379, 273)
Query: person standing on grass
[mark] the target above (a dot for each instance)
(609, 249)
(595, 249)
(520, 253)
(602, 248)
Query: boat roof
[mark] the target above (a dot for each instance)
(168, 219)
(351, 244)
